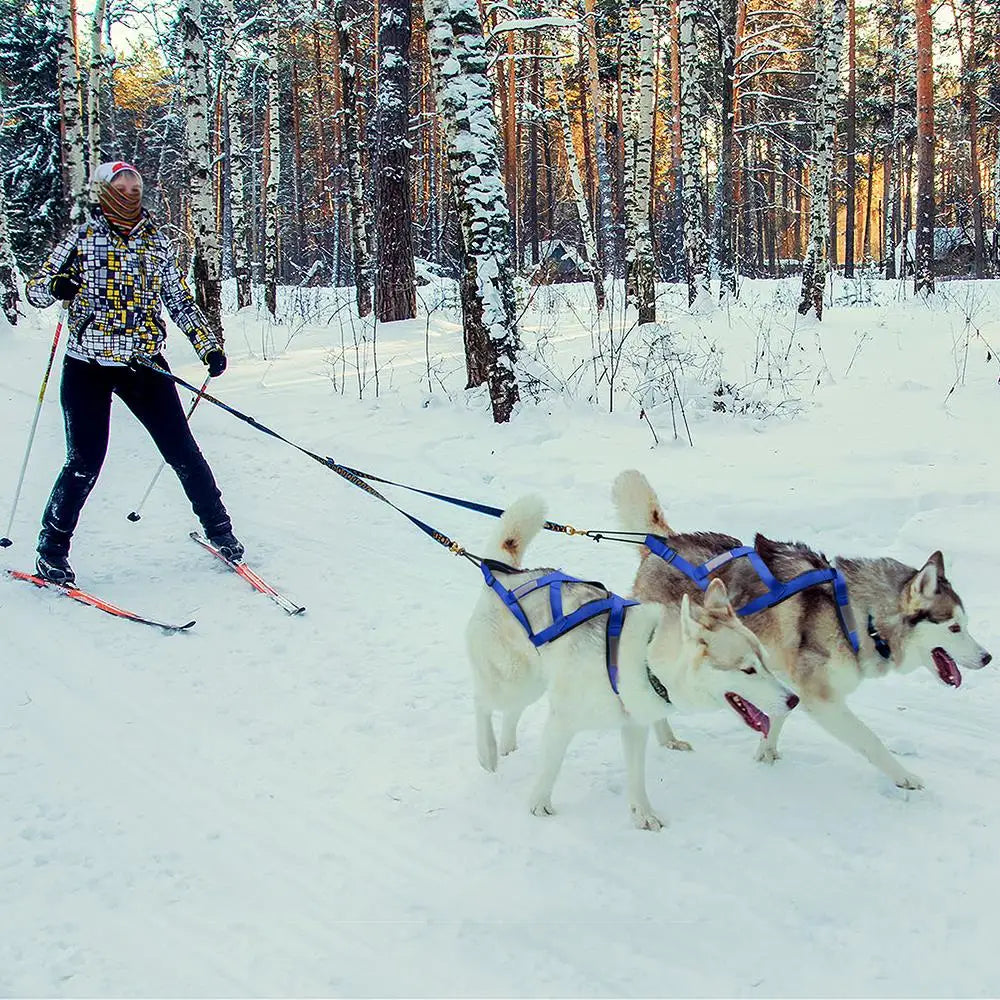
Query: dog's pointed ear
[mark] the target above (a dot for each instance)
(717, 598)
(925, 584)
(689, 627)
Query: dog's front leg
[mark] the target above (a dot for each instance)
(486, 740)
(634, 748)
(839, 721)
(508, 730)
(665, 736)
(555, 741)
(767, 749)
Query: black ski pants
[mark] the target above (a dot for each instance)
(86, 392)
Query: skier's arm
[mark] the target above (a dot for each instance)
(62, 260)
(182, 307)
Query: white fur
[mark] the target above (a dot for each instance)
(698, 656)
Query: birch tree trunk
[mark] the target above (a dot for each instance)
(923, 273)
(695, 239)
(272, 259)
(10, 293)
(95, 84)
(360, 234)
(465, 105)
(830, 18)
(238, 195)
(395, 289)
(605, 221)
(197, 110)
(851, 139)
(725, 239)
(70, 100)
(590, 259)
(644, 281)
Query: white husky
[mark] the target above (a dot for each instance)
(697, 657)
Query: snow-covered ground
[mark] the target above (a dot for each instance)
(267, 806)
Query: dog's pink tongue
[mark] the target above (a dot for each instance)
(947, 668)
(757, 719)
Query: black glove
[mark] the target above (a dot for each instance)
(64, 286)
(216, 361)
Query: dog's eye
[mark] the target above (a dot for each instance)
(955, 628)
(749, 670)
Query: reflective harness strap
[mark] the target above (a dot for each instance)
(612, 605)
(777, 590)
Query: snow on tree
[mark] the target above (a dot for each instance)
(830, 19)
(695, 238)
(10, 293)
(923, 271)
(272, 160)
(465, 105)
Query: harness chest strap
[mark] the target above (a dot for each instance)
(613, 605)
(777, 590)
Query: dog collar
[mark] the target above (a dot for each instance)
(657, 685)
(881, 646)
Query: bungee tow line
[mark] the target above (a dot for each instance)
(777, 590)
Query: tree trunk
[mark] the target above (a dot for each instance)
(923, 272)
(830, 17)
(725, 237)
(272, 253)
(360, 235)
(395, 290)
(604, 213)
(207, 249)
(95, 84)
(70, 99)
(695, 241)
(464, 102)
(10, 293)
(850, 139)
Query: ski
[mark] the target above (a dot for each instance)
(96, 602)
(244, 571)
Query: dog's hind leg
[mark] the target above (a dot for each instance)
(508, 730)
(839, 721)
(665, 737)
(555, 741)
(486, 740)
(634, 748)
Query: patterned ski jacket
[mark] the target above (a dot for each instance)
(116, 313)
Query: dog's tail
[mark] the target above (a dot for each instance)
(521, 521)
(637, 504)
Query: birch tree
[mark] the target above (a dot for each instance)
(605, 221)
(643, 278)
(95, 84)
(207, 248)
(464, 102)
(70, 99)
(725, 241)
(360, 235)
(830, 20)
(695, 239)
(10, 293)
(273, 159)
(395, 289)
(923, 273)
(591, 264)
(237, 158)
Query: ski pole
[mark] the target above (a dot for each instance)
(5, 542)
(136, 514)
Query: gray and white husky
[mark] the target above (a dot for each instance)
(698, 654)
(907, 618)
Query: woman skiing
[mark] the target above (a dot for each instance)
(113, 271)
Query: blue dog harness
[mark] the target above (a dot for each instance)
(612, 605)
(777, 590)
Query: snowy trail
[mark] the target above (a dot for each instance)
(272, 806)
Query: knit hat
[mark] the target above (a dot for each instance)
(122, 211)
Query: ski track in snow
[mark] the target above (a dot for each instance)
(270, 806)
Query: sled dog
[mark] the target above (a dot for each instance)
(906, 618)
(698, 655)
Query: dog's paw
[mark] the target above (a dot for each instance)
(488, 758)
(766, 754)
(906, 779)
(543, 808)
(676, 744)
(646, 819)
(507, 747)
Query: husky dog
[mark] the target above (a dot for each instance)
(906, 618)
(696, 657)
